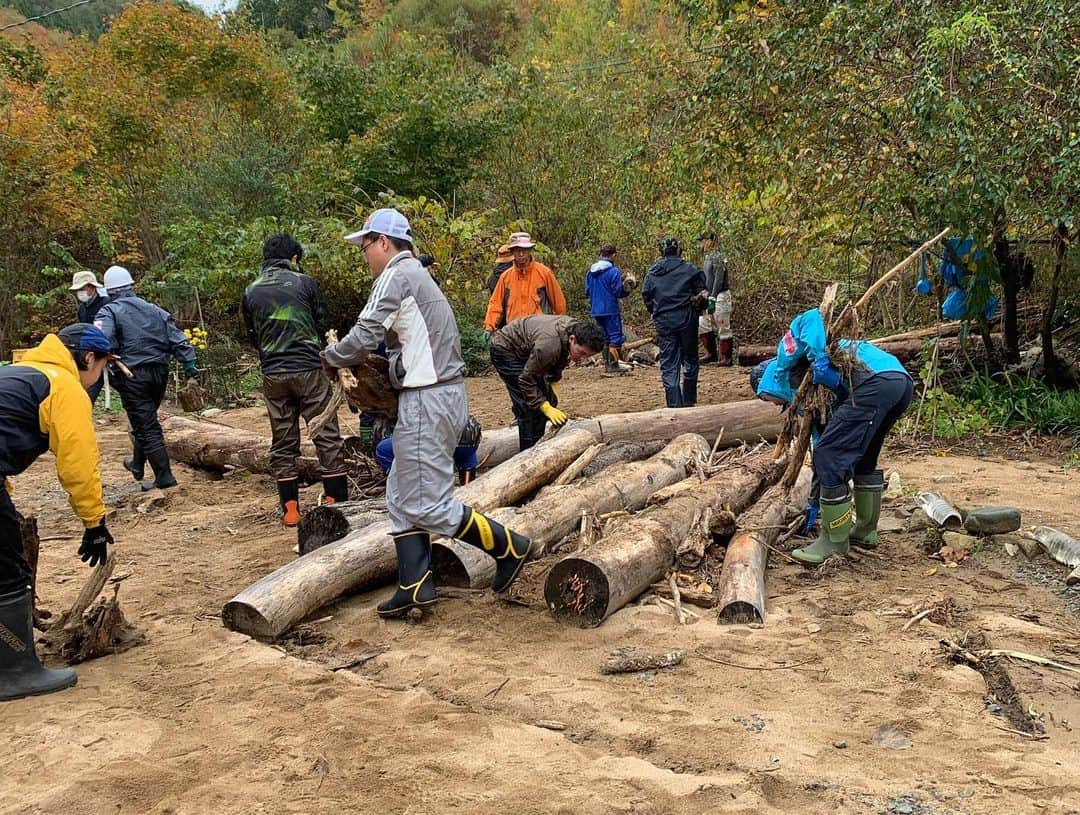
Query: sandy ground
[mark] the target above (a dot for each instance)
(202, 720)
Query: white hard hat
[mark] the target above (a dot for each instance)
(117, 277)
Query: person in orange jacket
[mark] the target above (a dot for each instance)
(526, 288)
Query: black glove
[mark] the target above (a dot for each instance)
(95, 543)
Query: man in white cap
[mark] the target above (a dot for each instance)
(144, 336)
(526, 288)
(91, 296)
(408, 311)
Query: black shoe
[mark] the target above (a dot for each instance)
(136, 462)
(162, 467)
(416, 583)
(509, 549)
(335, 488)
(21, 673)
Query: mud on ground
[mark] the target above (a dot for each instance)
(442, 716)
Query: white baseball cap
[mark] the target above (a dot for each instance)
(117, 277)
(385, 221)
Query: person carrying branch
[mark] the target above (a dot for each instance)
(410, 313)
(144, 336)
(44, 407)
(871, 391)
(286, 320)
(674, 294)
(529, 355)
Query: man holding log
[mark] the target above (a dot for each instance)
(530, 355)
(409, 312)
(44, 407)
(286, 320)
(871, 392)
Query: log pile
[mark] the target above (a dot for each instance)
(364, 556)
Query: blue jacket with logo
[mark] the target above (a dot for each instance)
(604, 287)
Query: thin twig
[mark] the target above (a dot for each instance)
(676, 598)
(920, 616)
(702, 655)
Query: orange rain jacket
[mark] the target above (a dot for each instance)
(522, 294)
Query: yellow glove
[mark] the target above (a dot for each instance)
(556, 416)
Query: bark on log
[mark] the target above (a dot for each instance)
(742, 580)
(909, 352)
(365, 558)
(211, 446)
(585, 589)
(556, 511)
(497, 446)
(618, 452)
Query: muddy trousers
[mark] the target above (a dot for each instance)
(530, 421)
(420, 484)
(142, 395)
(14, 570)
(679, 361)
(851, 442)
(290, 396)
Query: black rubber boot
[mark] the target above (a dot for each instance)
(136, 462)
(162, 467)
(288, 490)
(21, 673)
(689, 392)
(509, 549)
(708, 339)
(416, 583)
(335, 488)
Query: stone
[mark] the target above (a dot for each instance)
(893, 488)
(919, 520)
(992, 520)
(958, 541)
(945, 479)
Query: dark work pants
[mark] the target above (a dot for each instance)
(142, 397)
(857, 428)
(14, 570)
(531, 422)
(679, 356)
(288, 397)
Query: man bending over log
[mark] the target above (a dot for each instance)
(871, 392)
(409, 312)
(530, 355)
(44, 407)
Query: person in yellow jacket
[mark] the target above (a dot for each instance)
(44, 406)
(526, 288)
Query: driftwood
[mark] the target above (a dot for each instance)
(586, 588)
(365, 558)
(742, 580)
(79, 635)
(31, 548)
(628, 663)
(580, 463)
(557, 510)
(695, 597)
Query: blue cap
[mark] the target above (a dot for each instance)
(384, 221)
(85, 337)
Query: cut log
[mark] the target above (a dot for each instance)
(580, 463)
(497, 446)
(909, 352)
(365, 558)
(212, 446)
(326, 524)
(742, 580)
(586, 588)
(556, 511)
(618, 452)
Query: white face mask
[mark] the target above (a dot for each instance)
(85, 296)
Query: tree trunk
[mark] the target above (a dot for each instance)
(1010, 287)
(585, 589)
(556, 511)
(742, 580)
(211, 446)
(365, 558)
(1055, 372)
(326, 524)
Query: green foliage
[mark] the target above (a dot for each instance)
(1015, 401)
(91, 19)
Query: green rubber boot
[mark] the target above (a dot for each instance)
(835, 528)
(868, 490)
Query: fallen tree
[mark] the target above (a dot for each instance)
(742, 579)
(586, 588)
(557, 510)
(365, 557)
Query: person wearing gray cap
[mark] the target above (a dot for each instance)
(408, 311)
(91, 296)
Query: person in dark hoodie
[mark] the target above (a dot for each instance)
(286, 320)
(605, 285)
(144, 336)
(674, 293)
